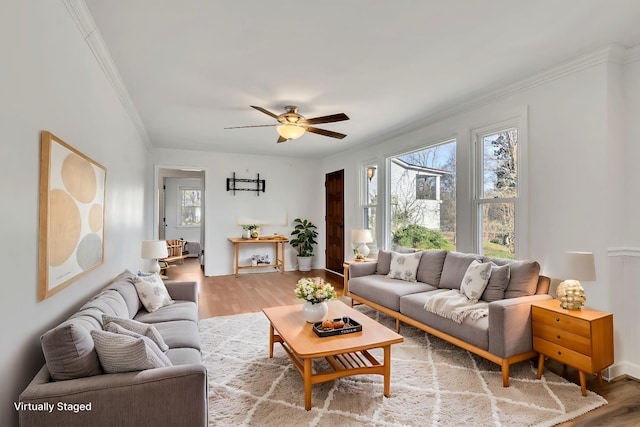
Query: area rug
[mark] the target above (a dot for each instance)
(433, 383)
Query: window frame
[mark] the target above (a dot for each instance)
(519, 122)
(364, 199)
(180, 206)
(388, 210)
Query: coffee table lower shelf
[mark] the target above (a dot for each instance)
(343, 364)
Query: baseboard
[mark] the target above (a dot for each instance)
(623, 368)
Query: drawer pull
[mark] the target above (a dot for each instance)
(559, 353)
(557, 319)
(558, 337)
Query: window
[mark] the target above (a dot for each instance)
(497, 192)
(422, 198)
(190, 209)
(370, 202)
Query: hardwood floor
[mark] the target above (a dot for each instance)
(228, 295)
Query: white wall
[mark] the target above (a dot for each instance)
(294, 188)
(49, 80)
(573, 132)
(625, 250)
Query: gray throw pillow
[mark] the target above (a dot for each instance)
(69, 351)
(454, 268)
(139, 328)
(123, 353)
(384, 262)
(497, 283)
(430, 267)
(524, 279)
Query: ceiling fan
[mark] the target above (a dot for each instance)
(292, 125)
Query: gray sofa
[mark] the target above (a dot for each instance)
(503, 337)
(74, 387)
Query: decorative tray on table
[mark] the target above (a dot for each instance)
(339, 326)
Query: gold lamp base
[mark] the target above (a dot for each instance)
(571, 295)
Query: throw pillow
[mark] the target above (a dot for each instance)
(123, 353)
(384, 262)
(404, 266)
(152, 292)
(136, 327)
(475, 280)
(498, 282)
(524, 279)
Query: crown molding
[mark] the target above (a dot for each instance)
(87, 27)
(624, 251)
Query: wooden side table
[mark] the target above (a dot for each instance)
(278, 263)
(579, 338)
(345, 266)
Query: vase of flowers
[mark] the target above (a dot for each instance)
(250, 231)
(315, 293)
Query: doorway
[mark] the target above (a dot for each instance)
(180, 204)
(334, 219)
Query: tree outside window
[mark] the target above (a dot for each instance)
(190, 207)
(498, 194)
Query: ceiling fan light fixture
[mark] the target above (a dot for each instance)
(290, 131)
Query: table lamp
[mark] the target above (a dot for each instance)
(154, 250)
(362, 237)
(578, 266)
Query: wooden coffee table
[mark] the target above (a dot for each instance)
(346, 354)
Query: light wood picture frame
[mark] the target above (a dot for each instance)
(72, 207)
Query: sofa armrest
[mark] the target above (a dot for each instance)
(358, 269)
(175, 395)
(510, 325)
(183, 291)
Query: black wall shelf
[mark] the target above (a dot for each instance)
(245, 184)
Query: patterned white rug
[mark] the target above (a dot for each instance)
(433, 383)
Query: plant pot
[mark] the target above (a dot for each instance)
(304, 263)
(315, 312)
(246, 234)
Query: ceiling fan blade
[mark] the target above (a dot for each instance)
(328, 119)
(281, 139)
(252, 126)
(325, 132)
(267, 112)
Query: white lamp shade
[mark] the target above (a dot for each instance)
(580, 266)
(361, 236)
(154, 249)
(290, 131)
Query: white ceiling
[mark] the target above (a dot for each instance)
(193, 67)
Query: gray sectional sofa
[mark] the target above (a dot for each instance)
(503, 337)
(72, 389)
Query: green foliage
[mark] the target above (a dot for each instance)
(419, 237)
(304, 237)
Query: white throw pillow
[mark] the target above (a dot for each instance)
(475, 280)
(152, 292)
(123, 353)
(139, 328)
(404, 266)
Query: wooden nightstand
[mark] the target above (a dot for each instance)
(345, 265)
(579, 338)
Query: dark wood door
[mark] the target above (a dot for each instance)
(334, 219)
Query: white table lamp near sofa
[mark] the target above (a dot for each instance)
(577, 266)
(361, 238)
(154, 250)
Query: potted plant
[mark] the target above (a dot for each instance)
(303, 238)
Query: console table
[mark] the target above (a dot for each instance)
(276, 241)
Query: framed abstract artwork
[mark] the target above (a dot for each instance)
(72, 206)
